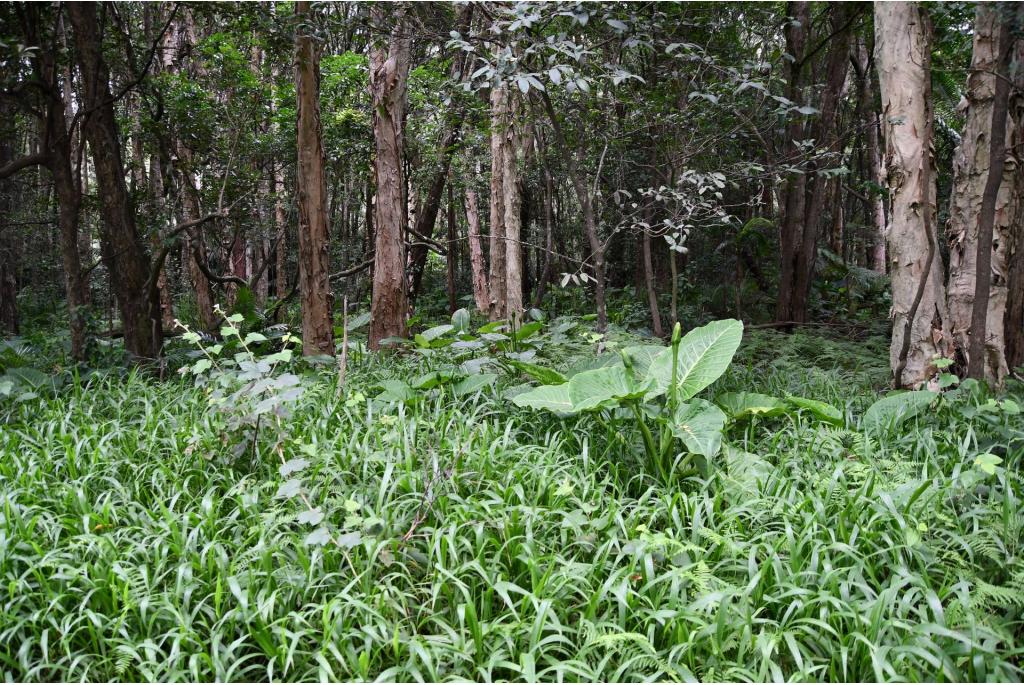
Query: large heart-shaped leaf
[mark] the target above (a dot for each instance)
(704, 355)
(641, 357)
(551, 397)
(537, 372)
(823, 410)
(743, 404)
(699, 425)
(894, 409)
(604, 387)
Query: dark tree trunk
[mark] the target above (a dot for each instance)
(451, 253)
(123, 251)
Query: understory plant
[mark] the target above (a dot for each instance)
(653, 387)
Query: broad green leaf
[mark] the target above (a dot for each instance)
(6, 387)
(704, 355)
(396, 391)
(894, 409)
(436, 332)
(254, 337)
(641, 357)
(739, 405)
(551, 397)
(358, 322)
(460, 320)
(491, 327)
(699, 424)
(434, 379)
(823, 410)
(987, 462)
(201, 365)
(471, 384)
(527, 330)
(605, 387)
(537, 372)
(350, 540)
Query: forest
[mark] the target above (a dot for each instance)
(511, 341)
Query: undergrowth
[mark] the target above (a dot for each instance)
(136, 542)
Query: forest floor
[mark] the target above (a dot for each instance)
(142, 539)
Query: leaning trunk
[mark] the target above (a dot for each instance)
(122, 248)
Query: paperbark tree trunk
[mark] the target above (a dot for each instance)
(920, 327)
(389, 70)
(123, 250)
(512, 206)
(476, 252)
(974, 170)
(497, 305)
(311, 193)
(987, 347)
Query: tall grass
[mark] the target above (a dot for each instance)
(502, 545)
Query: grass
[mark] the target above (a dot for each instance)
(502, 544)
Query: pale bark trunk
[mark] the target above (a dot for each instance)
(476, 252)
(512, 204)
(920, 327)
(156, 187)
(496, 288)
(972, 162)
(389, 70)
(311, 191)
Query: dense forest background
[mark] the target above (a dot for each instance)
(511, 341)
(667, 162)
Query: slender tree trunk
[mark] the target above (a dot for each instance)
(123, 251)
(281, 226)
(513, 206)
(791, 225)
(652, 292)
(476, 252)
(389, 70)
(545, 272)
(920, 326)
(825, 133)
(451, 252)
(8, 242)
(194, 242)
(975, 183)
(496, 288)
(311, 192)
(159, 209)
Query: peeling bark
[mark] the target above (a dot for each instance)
(920, 327)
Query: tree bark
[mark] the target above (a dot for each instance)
(920, 326)
(498, 269)
(512, 206)
(791, 224)
(476, 252)
(311, 193)
(8, 256)
(123, 250)
(389, 70)
(1013, 319)
(979, 214)
(451, 252)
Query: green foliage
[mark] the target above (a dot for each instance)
(452, 538)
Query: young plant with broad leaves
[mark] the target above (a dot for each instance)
(654, 387)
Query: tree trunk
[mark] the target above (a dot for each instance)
(156, 187)
(122, 248)
(311, 193)
(8, 256)
(920, 325)
(652, 293)
(194, 242)
(281, 226)
(389, 70)
(979, 212)
(825, 134)
(545, 272)
(496, 288)
(451, 251)
(476, 252)
(791, 225)
(512, 205)
(1013, 319)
